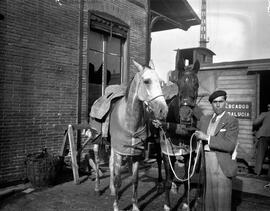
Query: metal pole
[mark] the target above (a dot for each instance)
(148, 33)
(80, 64)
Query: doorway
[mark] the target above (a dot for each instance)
(264, 90)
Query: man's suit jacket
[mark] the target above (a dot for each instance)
(223, 142)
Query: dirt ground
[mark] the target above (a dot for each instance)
(67, 196)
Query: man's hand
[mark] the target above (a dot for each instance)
(201, 135)
(156, 123)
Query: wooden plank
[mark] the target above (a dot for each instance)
(236, 86)
(235, 82)
(63, 147)
(245, 132)
(246, 136)
(246, 128)
(234, 72)
(240, 92)
(73, 150)
(246, 146)
(12, 189)
(245, 122)
(242, 98)
(235, 77)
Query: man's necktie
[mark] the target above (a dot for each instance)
(214, 119)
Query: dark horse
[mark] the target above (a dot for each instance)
(176, 133)
(127, 127)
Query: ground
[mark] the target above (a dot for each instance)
(65, 195)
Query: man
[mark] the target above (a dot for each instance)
(219, 132)
(263, 136)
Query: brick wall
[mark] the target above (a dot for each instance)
(38, 79)
(39, 72)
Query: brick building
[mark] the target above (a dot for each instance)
(46, 52)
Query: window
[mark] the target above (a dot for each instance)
(106, 46)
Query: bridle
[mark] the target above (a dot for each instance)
(147, 103)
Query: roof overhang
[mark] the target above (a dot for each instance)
(258, 69)
(173, 14)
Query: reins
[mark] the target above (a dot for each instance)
(189, 176)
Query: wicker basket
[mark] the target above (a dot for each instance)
(41, 168)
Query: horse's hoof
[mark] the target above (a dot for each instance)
(115, 207)
(135, 207)
(166, 208)
(185, 207)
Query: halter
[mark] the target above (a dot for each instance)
(147, 103)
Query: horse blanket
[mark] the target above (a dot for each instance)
(124, 142)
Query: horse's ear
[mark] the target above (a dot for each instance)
(138, 66)
(151, 64)
(196, 66)
(179, 62)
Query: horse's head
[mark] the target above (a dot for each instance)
(188, 85)
(149, 90)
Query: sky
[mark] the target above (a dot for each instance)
(237, 30)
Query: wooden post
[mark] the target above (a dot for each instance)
(73, 150)
(63, 147)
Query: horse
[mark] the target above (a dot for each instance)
(176, 139)
(128, 128)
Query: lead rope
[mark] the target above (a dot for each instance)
(189, 163)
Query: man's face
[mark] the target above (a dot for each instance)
(218, 104)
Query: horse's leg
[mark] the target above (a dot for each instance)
(117, 179)
(159, 163)
(200, 169)
(97, 182)
(168, 181)
(135, 179)
(111, 165)
(185, 204)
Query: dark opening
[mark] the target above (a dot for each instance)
(264, 91)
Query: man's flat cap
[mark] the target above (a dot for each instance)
(216, 94)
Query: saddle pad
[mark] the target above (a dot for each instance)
(103, 104)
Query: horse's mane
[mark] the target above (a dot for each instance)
(128, 87)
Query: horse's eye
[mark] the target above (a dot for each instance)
(147, 81)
